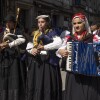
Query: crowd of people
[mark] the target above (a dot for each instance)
(30, 67)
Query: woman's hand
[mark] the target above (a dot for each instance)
(40, 47)
(4, 45)
(35, 51)
(63, 53)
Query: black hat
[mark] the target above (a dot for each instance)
(94, 23)
(10, 18)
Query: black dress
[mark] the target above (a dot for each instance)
(44, 81)
(81, 87)
(12, 74)
(12, 86)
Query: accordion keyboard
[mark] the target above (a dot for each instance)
(69, 58)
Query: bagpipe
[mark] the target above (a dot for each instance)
(83, 58)
(44, 39)
(8, 37)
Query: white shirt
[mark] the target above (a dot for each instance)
(63, 46)
(94, 32)
(29, 47)
(17, 42)
(57, 42)
(54, 45)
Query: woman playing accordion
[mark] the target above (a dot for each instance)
(78, 86)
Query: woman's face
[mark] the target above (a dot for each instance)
(78, 25)
(42, 24)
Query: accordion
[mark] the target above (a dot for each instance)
(83, 58)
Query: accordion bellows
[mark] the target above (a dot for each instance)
(83, 58)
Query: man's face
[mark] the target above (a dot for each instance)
(78, 25)
(93, 27)
(10, 24)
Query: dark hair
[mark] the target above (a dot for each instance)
(47, 19)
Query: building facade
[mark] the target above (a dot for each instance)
(3, 11)
(60, 11)
(90, 7)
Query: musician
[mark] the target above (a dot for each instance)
(94, 27)
(80, 87)
(12, 67)
(43, 68)
(95, 30)
(62, 63)
(63, 35)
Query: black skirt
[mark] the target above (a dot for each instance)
(44, 80)
(12, 76)
(80, 87)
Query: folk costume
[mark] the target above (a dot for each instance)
(81, 87)
(12, 67)
(43, 69)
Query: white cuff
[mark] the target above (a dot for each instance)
(57, 42)
(29, 51)
(16, 42)
(57, 54)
